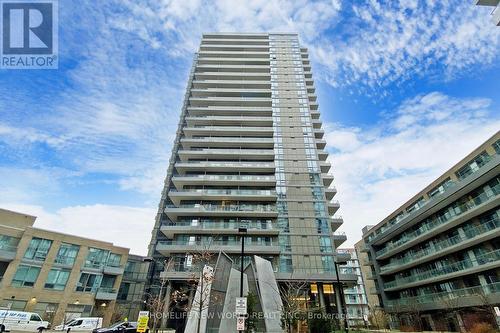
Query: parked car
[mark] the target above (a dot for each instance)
(120, 327)
(21, 321)
(80, 324)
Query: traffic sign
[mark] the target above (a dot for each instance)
(240, 323)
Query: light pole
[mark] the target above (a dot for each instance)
(242, 230)
(342, 304)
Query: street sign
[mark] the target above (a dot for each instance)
(240, 323)
(142, 321)
(241, 306)
(189, 260)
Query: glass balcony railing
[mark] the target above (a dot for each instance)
(225, 191)
(445, 295)
(445, 188)
(446, 269)
(451, 213)
(223, 225)
(228, 177)
(231, 208)
(228, 164)
(470, 233)
(217, 242)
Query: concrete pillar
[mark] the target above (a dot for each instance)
(461, 233)
(321, 296)
(339, 304)
(472, 257)
(166, 307)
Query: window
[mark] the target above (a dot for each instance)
(15, 305)
(123, 291)
(25, 276)
(57, 279)
(114, 260)
(45, 310)
(35, 317)
(38, 249)
(8, 243)
(88, 282)
(473, 165)
(496, 146)
(67, 254)
(96, 258)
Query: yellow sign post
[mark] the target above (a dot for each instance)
(142, 321)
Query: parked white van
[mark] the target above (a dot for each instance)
(21, 321)
(80, 324)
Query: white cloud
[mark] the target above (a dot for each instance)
(122, 225)
(383, 166)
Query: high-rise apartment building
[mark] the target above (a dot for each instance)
(435, 261)
(250, 151)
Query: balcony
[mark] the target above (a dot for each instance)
(320, 144)
(447, 271)
(333, 206)
(339, 238)
(230, 247)
(216, 166)
(257, 180)
(228, 120)
(7, 252)
(216, 228)
(322, 155)
(214, 154)
(444, 222)
(319, 133)
(241, 131)
(324, 166)
(473, 236)
(336, 222)
(113, 270)
(472, 296)
(225, 142)
(247, 210)
(221, 194)
(330, 192)
(451, 188)
(106, 294)
(327, 179)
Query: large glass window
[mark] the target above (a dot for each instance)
(57, 279)
(96, 258)
(67, 254)
(38, 249)
(25, 276)
(88, 282)
(114, 260)
(8, 243)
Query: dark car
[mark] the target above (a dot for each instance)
(120, 327)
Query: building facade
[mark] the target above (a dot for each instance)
(59, 276)
(355, 296)
(130, 298)
(435, 261)
(250, 151)
(495, 6)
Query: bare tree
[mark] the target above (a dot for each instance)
(378, 318)
(294, 309)
(199, 283)
(155, 302)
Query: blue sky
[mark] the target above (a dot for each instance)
(406, 89)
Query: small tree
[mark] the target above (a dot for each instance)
(294, 309)
(378, 318)
(155, 302)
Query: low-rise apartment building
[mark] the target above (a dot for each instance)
(435, 261)
(57, 275)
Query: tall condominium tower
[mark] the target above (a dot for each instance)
(250, 151)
